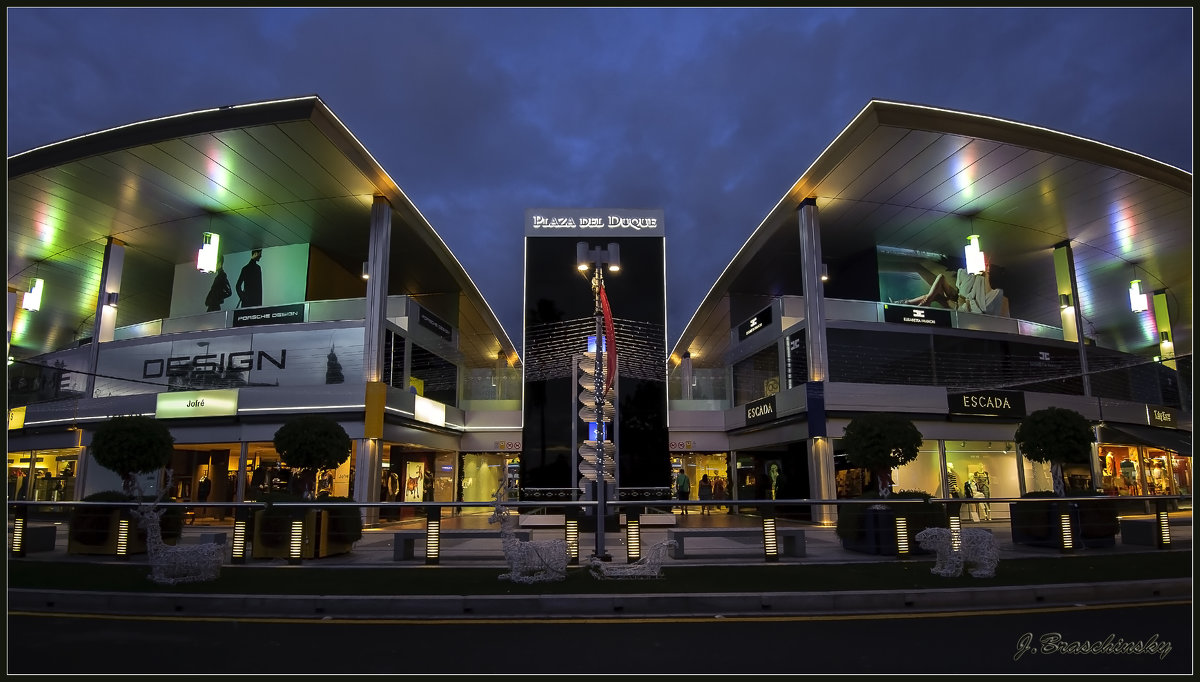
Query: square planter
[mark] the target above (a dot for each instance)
(95, 530)
(1036, 522)
(271, 538)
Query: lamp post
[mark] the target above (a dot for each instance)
(586, 257)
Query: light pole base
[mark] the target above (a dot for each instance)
(602, 557)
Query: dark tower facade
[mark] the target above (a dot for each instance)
(558, 325)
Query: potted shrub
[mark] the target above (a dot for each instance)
(871, 529)
(308, 444)
(880, 442)
(127, 446)
(1059, 436)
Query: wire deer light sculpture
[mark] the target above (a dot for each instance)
(174, 564)
(529, 561)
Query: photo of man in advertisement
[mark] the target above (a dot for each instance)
(220, 289)
(249, 284)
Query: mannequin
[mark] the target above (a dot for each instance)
(1159, 480)
(951, 479)
(983, 489)
(1110, 468)
(203, 488)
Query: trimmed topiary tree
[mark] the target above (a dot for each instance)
(311, 443)
(129, 446)
(1056, 435)
(880, 442)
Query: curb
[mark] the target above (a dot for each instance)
(566, 606)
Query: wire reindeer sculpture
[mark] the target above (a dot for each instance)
(174, 564)
(529, 561)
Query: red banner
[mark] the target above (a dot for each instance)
(610, 342)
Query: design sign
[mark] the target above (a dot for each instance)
(988, 403)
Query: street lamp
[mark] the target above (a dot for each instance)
(597, 259)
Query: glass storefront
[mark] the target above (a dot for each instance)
(483, 473)
(976, 470)
(1142, 470)
(43, 474)
(715, 465)
(979, 470)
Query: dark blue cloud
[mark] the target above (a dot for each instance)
(710, 114)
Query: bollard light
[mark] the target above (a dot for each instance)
(238, 553)
(123, 539)
(901, 535)
(296, 549)
(433, 535)
(1064, 525)
(1164, 529)
(18, 538)
(633, 535)
(955, 533)
(572, 537)
(770, 540)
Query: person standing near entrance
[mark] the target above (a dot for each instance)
(706, 492)
(249, 284)
(683, 489)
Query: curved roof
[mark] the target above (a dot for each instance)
(915, 177)
(261, 174)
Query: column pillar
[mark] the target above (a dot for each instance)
(104, 324)
(367, 463)
(1072, 316)
(367, 476)
(821, 475)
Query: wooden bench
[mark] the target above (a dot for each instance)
(40, 538)
(791, 540)
(404, 541)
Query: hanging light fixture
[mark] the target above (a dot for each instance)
(32, 300)
(1137, 300)
(976, 263)
(206, 258)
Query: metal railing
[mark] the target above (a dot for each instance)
(1071, 515)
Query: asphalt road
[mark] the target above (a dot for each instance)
(1149, 638)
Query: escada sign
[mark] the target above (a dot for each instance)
(761, 410)
(988, 403)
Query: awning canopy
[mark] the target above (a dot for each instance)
(1179, 442)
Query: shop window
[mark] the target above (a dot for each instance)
(757, 376)
(482, 475)
(980, 470)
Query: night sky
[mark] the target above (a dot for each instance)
(709, 114)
